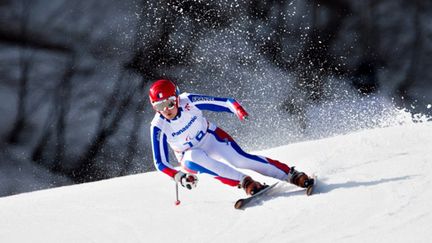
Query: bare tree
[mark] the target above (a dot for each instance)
(39, 150)
(155, 52)
(364, 76)
(29, 41)
(55, 124)
(114, 110)
(316, 57)
(416, 47)
(25, 61)
(63, 103)
(21, 119)
(27, 37)
(134, 132)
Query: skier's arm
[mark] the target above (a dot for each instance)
(161, 162)
(160, 152)
(218, 104)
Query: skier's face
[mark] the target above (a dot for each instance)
(169, 113)
(168, 107)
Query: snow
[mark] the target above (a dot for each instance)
(373, 187)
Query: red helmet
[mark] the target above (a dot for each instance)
(162, 89)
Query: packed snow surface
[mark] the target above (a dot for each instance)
(374, 186)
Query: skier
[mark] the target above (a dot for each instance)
(200, 145)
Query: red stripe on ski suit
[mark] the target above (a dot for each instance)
(285, 168)
(169, 171)
(228, 181)
(221, 134)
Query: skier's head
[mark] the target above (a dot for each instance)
(164, 97)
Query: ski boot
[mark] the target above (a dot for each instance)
(250, 186)
(299, 178)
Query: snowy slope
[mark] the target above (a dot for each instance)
(374, 187)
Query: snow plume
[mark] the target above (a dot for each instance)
(225, 63)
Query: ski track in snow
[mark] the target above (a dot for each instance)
(372, 187)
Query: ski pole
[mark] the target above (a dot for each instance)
(177, 202)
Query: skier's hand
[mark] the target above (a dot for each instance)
(186, 180)
(240, 111)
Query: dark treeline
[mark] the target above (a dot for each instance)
(74, 74)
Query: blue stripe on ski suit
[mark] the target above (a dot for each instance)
(212, 103)
(238, 149)
(160, 155)
(198, 168)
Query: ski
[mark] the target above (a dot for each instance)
(310, 189)
(241, 203)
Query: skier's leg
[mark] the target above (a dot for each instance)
(197, 161)
(221, 145)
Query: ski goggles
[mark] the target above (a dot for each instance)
(167, 104)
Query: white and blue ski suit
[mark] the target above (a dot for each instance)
(202, 147)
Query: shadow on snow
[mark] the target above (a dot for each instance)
(285, 190)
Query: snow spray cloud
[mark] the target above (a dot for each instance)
(229, 61)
